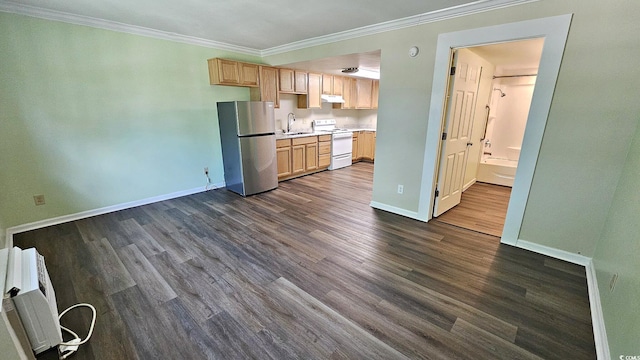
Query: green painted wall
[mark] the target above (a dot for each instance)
(92, 118)
(618, 252)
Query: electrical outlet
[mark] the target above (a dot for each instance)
(38, 200)
(206, 170)
(612, 283)
(400, 189)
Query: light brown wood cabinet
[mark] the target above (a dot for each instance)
(268, 89)
(338, 82)
(268, 82)
(283, 157)
(314, 89)
(324, 151)
(309, 156)
(374, 94)
(364, 146)
(234, 73)
(348, 88)
(302, 155)
(369, 146)
(293, 81)
(364, 91)
(327, 84)
(297, 159)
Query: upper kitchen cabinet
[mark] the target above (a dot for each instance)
(268, 89)
(364, 92)
(338, 82)
(327, 84)
(314, 89)
(293, 81)
(231, 72)
(346, 90)
(374, 94)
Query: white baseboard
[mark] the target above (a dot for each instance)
(554, 253)
(89, 213)
(395, 210)
(597, 318)
(468, 185)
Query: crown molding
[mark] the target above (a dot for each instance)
(20, 9)
(430, 17)
(434, 16)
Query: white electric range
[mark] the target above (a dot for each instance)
(341, 142)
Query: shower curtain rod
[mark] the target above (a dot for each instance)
(509, 76)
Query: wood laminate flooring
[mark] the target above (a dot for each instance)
(307, 271)
(482, 208)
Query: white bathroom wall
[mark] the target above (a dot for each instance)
(353, 119)
(509, 114)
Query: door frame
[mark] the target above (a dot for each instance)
(555, 31)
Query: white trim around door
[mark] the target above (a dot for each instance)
(554, 30)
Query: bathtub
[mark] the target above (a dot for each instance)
(497, 171)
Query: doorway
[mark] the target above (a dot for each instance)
(496, 120)
(554, 30)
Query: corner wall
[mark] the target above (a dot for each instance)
(617, 253)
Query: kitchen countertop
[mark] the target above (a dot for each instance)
(280, 135)
(297, 135)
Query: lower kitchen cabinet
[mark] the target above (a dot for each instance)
(283, 157)
(302, 155)
(324, 151)
(297, 159)
(311, 156)
(364, 145)
(369, 147)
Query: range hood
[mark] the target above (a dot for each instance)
(332, 98)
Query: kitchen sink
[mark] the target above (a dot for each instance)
(296, 133)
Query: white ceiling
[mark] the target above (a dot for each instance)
(524, 54)
(517, 54)
(260, 27)
(247, 23)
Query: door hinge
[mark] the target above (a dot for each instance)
(437, 193)
(444, 136)
(453, 70)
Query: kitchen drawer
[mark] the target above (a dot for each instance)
(324, 147)
(324, 138)
(304, 140)
(324, 160)
(283, 143)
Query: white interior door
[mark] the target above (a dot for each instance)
(461, 102)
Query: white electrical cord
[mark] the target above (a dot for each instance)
(70, 347)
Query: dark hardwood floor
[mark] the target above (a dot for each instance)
(483, 208)
(308, 271)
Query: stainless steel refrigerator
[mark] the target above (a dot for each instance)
(247, 133)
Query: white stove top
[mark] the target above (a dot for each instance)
(328, 125)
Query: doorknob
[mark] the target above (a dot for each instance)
(469, 144)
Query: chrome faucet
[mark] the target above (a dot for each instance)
(290, 119)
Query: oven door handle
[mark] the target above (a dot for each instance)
(342, 135)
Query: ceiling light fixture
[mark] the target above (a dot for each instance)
(351, 70)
